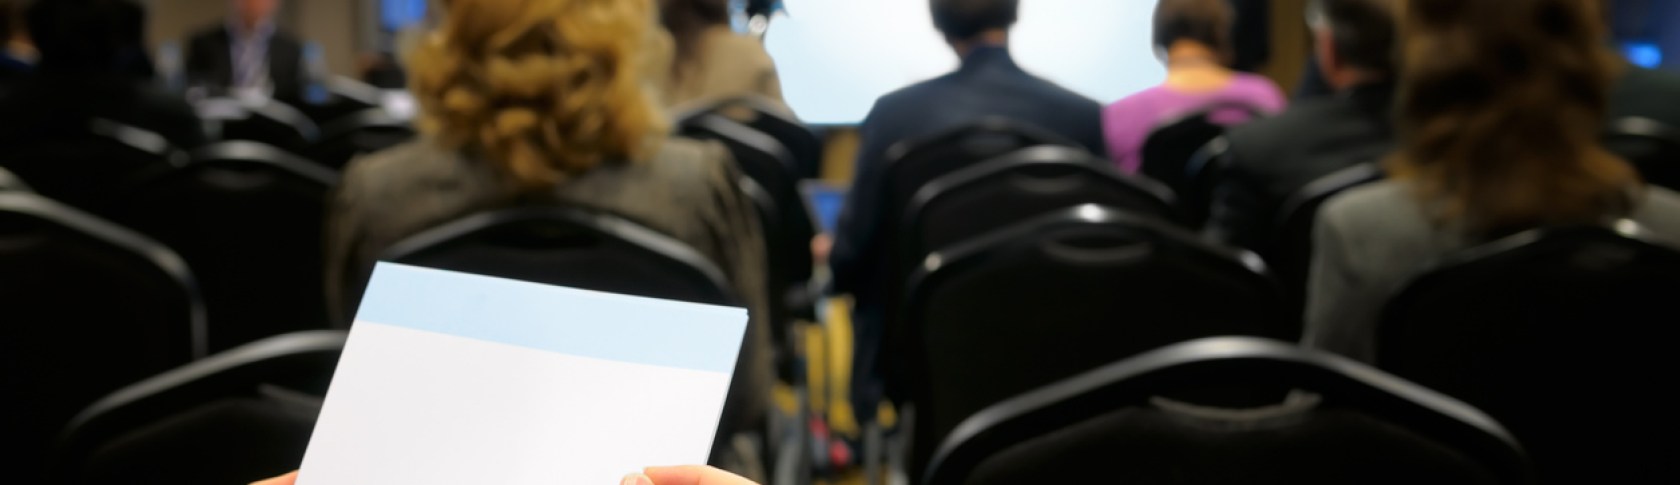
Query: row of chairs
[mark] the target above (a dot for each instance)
(1110, 279)
(1357, 425)
(146, 315)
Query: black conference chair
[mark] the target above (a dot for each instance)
(1168, 150)
(1361, 426)
(783, 215)
(1563, 335)
(1058, 295)
(1291, 249)
(569, 247)
(345, 96)
(1202, 176)
(1651, 146)
(359, 133)
(248, 218)
(235, 417)
(268, 121)
(1018, 187)
(760, 114)
(12, 183)
(579, 249)
(915, 163)
(87, 307)
(86, 167)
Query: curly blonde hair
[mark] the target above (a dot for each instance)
(543, 89)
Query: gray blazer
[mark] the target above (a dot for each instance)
(1371, 241)
(687, 191)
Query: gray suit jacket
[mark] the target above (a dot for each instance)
(687, 191)
(1371, 241)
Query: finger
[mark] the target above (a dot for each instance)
(288, 479)
(694, 475)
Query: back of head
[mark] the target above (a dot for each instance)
(962, 20)
(543, 90)
(1205, 22)
(688, 19)
(1362, 32)
(90, 36)
(1501, 108)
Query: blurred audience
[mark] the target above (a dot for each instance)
(1272, 159)
(547, 102)
(248, 52)
(712, 61)
(1193, 38)
(93, 65)
(988, 84)
(18, 55)
(1486, 149)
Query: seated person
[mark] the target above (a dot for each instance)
(247, 53)
(1194, 39)
(17, 56)
(512, 113)
(1272, 159)
(93, 65)
(712, 61)
(988, 84)
(1500, 134)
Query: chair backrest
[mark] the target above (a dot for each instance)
(1561, 334)
(785, 218)
(85, 307)
(1202, 177)
(1167, 152)
(569, 247)
(266, 121)
(1058, 295)
(1291, 249)
(804, 149)
(174, 428)
(1019, 186)
(1651, 145)
(12, 182)
(914, 163)
(359, 133)
(248, 218)
(86, 168)
(1362, 426)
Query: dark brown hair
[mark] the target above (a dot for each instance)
(686, 20)
(1500, 111)
(966, 19)
(1208, 22)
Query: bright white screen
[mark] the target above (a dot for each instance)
(835, 57)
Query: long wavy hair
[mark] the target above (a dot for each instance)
(544, 90)
(1501, 108)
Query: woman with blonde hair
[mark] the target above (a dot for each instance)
(550, 102)
(1500, 110)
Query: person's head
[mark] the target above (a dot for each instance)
(543, 90)
(688, 19)
(966, 23)
(90, 36)
(1500, 110)
(1354, 40)
(1198, 24)
(251, 13)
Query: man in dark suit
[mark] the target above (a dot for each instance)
(989, 83)
(1271, 159)
(248, 52)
